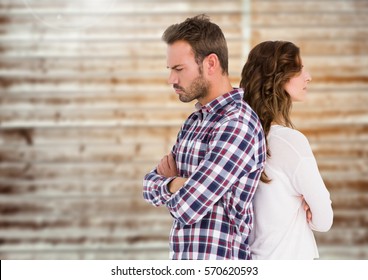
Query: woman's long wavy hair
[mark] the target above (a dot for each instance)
(270, 65)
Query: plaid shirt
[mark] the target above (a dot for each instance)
(221, 150)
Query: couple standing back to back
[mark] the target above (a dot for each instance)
(221, 163)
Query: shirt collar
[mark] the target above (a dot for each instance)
(235, 95)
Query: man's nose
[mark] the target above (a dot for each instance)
(173, 78)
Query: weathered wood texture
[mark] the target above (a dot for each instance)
(86, 112)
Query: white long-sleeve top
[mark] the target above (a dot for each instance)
(281, 230)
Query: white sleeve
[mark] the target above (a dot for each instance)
(308, 181)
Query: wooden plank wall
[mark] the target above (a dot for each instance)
(86, 112)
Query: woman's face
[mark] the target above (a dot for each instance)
(297, 85)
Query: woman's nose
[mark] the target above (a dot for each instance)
(308, 76)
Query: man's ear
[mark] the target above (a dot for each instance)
(211, 63)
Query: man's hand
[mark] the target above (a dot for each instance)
(176, 184)
(167, 166)
(307, 210)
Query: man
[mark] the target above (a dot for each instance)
(208, 180)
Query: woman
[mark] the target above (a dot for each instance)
(274, 77)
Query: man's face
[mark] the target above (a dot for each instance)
(185, 75)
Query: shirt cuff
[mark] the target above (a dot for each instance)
(166, 194)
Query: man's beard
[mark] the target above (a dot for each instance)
(197, 90)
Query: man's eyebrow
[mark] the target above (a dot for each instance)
(175, 66)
